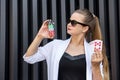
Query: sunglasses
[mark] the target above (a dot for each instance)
(74, 22)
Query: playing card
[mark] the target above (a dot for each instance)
(96, 44)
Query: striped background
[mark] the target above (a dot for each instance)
(21, 19)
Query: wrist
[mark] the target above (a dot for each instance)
(95, 64)
(95, 68)
(96, 73)
(39, 36)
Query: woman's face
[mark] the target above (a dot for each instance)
(75, 26)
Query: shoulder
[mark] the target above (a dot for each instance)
(59, 41)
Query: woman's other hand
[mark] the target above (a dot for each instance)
(97, 58)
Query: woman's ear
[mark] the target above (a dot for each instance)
(85, 29)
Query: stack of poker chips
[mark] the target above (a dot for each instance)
(51, 28)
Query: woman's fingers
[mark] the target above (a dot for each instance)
(97, 56)
(44, 32)
(45, 24)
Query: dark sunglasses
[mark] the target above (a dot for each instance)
(74, 22)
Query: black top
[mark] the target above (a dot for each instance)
(72, 67)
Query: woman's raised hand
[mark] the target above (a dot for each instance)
(44, 32)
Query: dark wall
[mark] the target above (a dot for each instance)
(21, 19)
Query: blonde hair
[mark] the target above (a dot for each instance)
(94, 29)
(98, 35)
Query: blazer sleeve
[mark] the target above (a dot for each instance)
(41, 54)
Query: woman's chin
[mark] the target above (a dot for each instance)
(70, 33)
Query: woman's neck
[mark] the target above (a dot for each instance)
(77, 40)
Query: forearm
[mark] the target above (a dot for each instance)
(96, 73)
(34, 46)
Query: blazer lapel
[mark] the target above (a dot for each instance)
(88, 53)
(58, 54)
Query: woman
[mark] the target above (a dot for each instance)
(72, 59)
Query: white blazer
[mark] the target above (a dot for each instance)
(52, 53)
